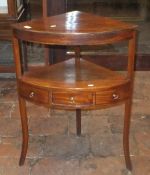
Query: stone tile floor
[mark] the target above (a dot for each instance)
(54, 148)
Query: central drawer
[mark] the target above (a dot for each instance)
(73, 98)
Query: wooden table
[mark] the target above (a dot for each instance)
(75, 83)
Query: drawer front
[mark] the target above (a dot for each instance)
(72, 99)
(114, 95)
(34, 94)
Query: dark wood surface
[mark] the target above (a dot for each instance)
(119, 61)
(75, 83)
(74, 28)
(69, 76)
(142, 60)
(56, 7)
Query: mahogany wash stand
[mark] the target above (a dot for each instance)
(75, 83)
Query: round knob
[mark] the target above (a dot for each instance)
(115, 96)
(31, 95)
(72, 99)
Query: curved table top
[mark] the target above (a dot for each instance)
(73, 28)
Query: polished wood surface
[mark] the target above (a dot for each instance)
(56, 7)
(112, 59)
(75, 83)
(85, 75)
(74, 28)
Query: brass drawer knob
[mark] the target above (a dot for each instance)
(115, 96)
(31, 95)
(72, 99)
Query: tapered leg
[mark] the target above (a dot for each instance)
(126, 134)
(78, 121)
(25, 135)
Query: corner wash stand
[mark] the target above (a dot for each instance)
(74, 83)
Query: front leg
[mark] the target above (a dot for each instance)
(25, 133)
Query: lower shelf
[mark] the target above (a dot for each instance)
(73, 85)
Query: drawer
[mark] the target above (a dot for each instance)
(72, 99)
(113, 95)
(33, 93)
